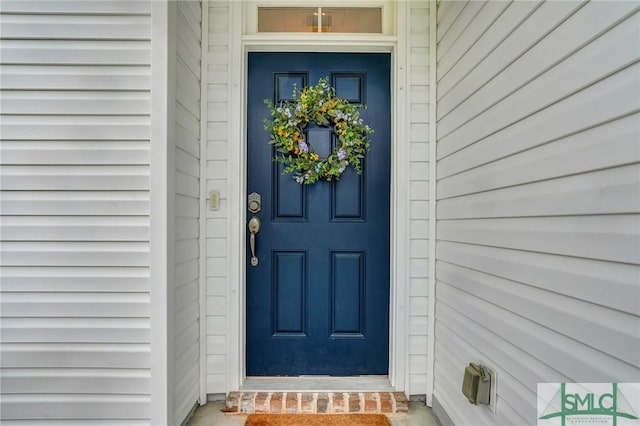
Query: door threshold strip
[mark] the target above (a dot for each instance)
(317, 384)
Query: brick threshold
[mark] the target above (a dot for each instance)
(317, 402)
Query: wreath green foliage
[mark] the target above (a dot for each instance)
(317, 103)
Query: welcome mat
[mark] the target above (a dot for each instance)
(317, 420)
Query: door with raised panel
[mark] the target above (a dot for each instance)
(317, 301)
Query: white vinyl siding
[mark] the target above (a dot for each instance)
(538, 199)
(216, 173)
(75, 294)
(187, 208)
(418, 68)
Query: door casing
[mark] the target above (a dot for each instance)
(237, 164)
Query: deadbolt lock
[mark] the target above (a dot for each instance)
(254, 202)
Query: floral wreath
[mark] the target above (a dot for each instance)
(317, 103)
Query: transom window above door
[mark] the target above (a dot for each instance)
(320, 20)
(363, 17)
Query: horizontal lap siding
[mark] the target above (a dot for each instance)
(187, 208)
(75, 212)
(419, 194)
(538, 199)
(216, 173)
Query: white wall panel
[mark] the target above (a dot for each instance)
(131, 409)
(76, 77)
(598, 148)
(78, 7)
(186, 320)
(78, 355)
(81, 52)
(418, 132)
(216, 173)
(487, 13)
(76, 103)
(538, 255)
(111, 203)
(537, 24)
(68, 27)
(75, 295)
(453, 68)
(451, 34)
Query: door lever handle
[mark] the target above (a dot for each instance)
(254, 228)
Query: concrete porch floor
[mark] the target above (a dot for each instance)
(211, 415)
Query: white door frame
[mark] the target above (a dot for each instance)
(239, 47)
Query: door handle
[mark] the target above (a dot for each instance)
(254, 228)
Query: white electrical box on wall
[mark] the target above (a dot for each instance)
(214, 200)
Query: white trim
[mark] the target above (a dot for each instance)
(235, 218)
(160, 175)
(399, 303)
(202, 290)
(317, 384)
(236, 260)
(433, 160)
(328, 42)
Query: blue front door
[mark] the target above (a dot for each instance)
(318, 299)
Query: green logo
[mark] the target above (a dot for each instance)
(590, 405)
